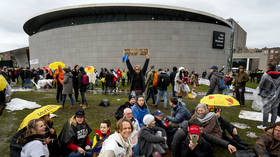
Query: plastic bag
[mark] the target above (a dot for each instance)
(257, 104)
(192, 95)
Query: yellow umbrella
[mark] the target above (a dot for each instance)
(38, 113)
(89, 69)
(219, 100)
(55, 65)
(3, 83)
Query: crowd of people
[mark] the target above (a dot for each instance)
(139, 131)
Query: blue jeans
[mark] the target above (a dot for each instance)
(136, 150)
(227, 90)
(64, 98)
(77, 154)
(28, 81)
(164, 94)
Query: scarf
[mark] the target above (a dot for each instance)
(206, 118)
(125, 144)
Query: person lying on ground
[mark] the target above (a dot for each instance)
(268, 144)
(190, 141)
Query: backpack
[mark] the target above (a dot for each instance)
(226, 79)
(166, 80)
(155, 79)
(222, 84)
(85, 80)
(119, 112)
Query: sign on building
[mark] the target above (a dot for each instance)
(34, 61)
(218, 40)
(136, 52)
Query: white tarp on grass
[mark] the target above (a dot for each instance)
(44, 82)
(21, 90)
(255, 116)
(20, 104)
(207, 82)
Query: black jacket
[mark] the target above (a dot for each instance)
(137, 83)
(147, 137)
(160, 81)
(75, 78)
(180, 143)
(119, 112)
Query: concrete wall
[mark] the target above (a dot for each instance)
(262, 57)
(171, 43)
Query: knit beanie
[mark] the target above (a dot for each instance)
(148, 119)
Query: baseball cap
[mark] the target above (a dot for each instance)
(158, 113)
(194, 129)
(214, 67)
(80, 113)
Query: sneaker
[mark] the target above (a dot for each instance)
(261, 127)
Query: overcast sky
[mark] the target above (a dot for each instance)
(259, 18)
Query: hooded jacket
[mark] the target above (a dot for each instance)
(179, 114)
(139, 113)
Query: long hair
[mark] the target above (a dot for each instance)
(29, 129)
(145, 105)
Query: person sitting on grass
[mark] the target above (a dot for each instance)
(100, 136)
(179, 113)
(118, 144)
(152, 139)
(74, 137)
(208, 120)
(128, 104)
(226, 126)
(190, 141)
(268, 144)
(34, 142)
(140, 109)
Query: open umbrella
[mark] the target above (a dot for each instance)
(38, 113)
(55, 65)
(219, 100)
(3, 83)
(89, 69)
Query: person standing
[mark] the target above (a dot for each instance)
(59, 76)
(75, 79)
(228, 81)
(239, 84)
(163, 82)
(67, 87)
(214, 78)
(28, 78)
(270, 93)
(149, 90)
(83, 84)
(123, 77)
(137, 76)
(172, 80)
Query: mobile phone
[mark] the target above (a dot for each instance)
(194, 138)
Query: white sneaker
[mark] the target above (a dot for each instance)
(261, 127)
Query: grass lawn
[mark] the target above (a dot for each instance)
(10, 121)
